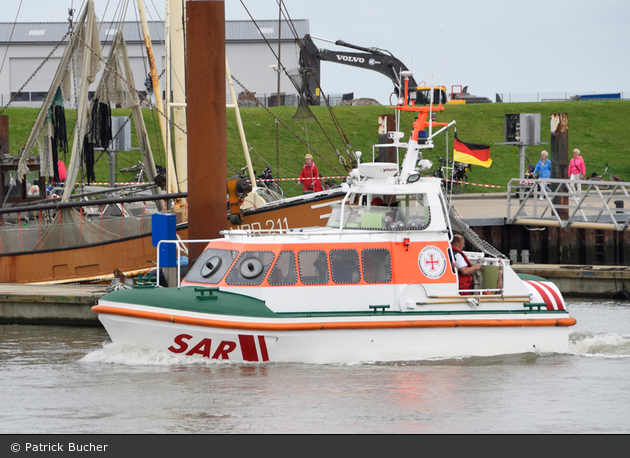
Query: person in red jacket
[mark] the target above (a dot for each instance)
(62, 174)
(309, 176)
(464, 267)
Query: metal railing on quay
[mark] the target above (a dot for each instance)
(589, 204)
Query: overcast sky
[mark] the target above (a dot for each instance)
(491, 46)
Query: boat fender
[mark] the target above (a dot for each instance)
(236, 218)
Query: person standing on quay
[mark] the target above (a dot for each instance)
(309, 176)
(577, 170)
(543, 169)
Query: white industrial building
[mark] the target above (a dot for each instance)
(25, 46)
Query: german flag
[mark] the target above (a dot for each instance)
(471, 153)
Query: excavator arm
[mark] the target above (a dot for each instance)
(375, 59)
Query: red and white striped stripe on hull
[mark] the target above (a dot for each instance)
(547, 292)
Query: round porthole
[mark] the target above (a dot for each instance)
(211, 266)
(251, 267)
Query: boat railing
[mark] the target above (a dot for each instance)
(181, 246)
(569, 203)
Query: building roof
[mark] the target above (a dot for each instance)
(235, 31)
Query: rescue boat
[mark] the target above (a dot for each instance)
(377, 283)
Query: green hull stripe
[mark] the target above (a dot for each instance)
(193, 300)
(190, 299)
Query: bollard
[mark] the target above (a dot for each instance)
(525, 256)
(513, 256)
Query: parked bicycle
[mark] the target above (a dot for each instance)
(328, 184)
(265, 180)
(141, 175)
(605, 173)
(458, 180)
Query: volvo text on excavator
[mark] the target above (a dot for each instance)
(376, 59)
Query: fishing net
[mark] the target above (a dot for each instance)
(300, 77)
(49, 136)
(69, 229)
(113, 88)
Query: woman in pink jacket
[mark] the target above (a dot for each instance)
(577, 169)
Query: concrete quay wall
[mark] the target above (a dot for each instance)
(50, 304)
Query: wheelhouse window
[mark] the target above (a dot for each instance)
(313, 267)
(250, 268)
(377, 265)
(284, 271)
(211, 266)
(344, 266)
(405, 212)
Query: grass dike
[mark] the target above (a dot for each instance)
(597, 128)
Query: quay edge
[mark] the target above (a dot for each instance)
(49, 304)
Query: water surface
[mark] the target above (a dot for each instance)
(57, 379)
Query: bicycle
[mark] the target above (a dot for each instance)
(458, 181)
(611, 177)
(328, 184)
(141, 176)
(265, 180)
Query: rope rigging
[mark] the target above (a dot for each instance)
(342, 135)
(341, 159)
(287, 127)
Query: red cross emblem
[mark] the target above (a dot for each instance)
(432, 262)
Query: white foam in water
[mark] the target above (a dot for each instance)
(600, 344)
(112, 353)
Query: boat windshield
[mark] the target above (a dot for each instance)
(403, 213)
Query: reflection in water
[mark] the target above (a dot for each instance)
(74, 380)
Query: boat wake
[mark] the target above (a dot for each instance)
(113, 353)
(584, 343)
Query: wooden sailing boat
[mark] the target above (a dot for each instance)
(74, 246)
(131, 250)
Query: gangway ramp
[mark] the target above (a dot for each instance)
(586, 204)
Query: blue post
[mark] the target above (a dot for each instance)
(164, 228)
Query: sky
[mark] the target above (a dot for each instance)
(491, 46)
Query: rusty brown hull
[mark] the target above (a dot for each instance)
(134, 254)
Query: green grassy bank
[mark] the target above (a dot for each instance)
(598, 128)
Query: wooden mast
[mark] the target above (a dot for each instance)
(178, 84)
(171, 176)
(207, 147)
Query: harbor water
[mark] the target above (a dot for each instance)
(73, 380)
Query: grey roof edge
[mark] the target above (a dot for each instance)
(235, 31)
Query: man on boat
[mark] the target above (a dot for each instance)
(464, 267)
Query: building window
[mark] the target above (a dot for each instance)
(38, 96)
(21, 97)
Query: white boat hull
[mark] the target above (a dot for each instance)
(408, 338)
